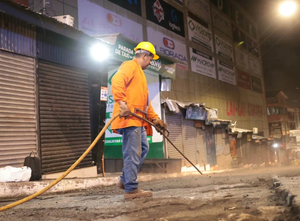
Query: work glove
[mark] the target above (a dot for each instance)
(124, 110)
(160, 125)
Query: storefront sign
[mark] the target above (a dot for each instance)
(275, 130)
(234, 108)
(167, 45)
(199, 33)
(95, 20)
(252, 47)
(131, 5)
(200, 8)
(237, 16)
(165, 15)
(124, 51)
(256, 84)
(202, 63)
(239, 37)
(254, 66)
(226, 73)
(295, 133)
(195, 113)
(224, 48)
(254, 110)
(243, 79)
(103, 94)
(241, 58)
(223, 5)
(250, 28)
(221, 22)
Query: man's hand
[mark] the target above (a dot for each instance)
(160, 124)
(124, 110)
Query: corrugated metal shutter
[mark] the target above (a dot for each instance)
(18, 124)
(189, 144)
(201, 146)
(64, 117)
(174, 126)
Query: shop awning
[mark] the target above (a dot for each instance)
(123, 50)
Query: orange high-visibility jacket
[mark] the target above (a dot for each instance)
(130, 85)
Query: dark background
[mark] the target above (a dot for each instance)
(280, 46)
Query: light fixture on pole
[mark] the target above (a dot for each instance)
(287, 8)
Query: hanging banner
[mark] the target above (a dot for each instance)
(237, 16)
(223, 5)
(256, 84)
(165, 15)
(241, 58)
(254, 66)
(124, 50)
(252, 47)
(250, 28)
(198, 32)
(167, 45)
(95, 20)
(239, 37)
(131, 5)
(221, 22)
(200, 8)
(202, 63)
(226, 73)
(224, 48)
(243, 79)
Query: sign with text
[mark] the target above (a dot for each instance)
(254, 66)
(195, 113)
(241, 58)
(224, 48)
(221, 22)
(234, 108)
(256, 84)
(202, 63)
(198, 32)
(254, 110)
(131, 5)
(200, 8)
(95, 20)
(167, 45)
(226, 73)
(223, 5)
(165, 15)
(124, 51)
(275, 130)
(237, 16)
(250, 28)
(103, 94)
(252, 47)
(239, 37)
(243, 79)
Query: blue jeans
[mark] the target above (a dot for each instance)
(135, 149)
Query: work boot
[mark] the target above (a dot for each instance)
(120, 185)
(137, 194)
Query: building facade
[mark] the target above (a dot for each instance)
(216, 46)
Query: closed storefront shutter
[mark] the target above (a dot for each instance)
(64, 117)
(18, 124)
(175, 128)
(189, 143)
(201, 146)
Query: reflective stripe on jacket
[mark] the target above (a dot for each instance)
(130, 85)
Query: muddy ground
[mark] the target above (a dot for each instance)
(237, 195)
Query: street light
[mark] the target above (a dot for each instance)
(287, 8)
(100, 52)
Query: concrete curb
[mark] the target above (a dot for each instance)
(21, 189)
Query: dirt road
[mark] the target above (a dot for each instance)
(239, 195)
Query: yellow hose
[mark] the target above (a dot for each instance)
(65, 173)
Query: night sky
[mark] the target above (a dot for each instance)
(280, 46)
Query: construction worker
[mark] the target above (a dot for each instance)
(130, 91)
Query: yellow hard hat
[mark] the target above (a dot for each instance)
(147, 46)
